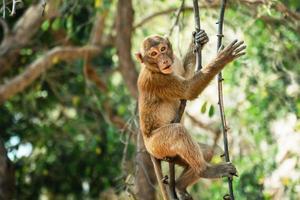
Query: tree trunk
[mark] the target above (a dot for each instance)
(124, 23)
(145, 175)
(7, 177)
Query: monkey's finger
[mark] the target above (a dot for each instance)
(240, 49)
(239, 54)
(201, 31)
(204, 41)
(202, 38)
(230, 45)
(237, 45)
(197, 36)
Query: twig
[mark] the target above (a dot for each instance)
(14, 4)
(207, 127)
(3, 8)
(220, 95)
(125, 150)
(44, 3)
(179, 11)
(202, 125)
(214, 4)
(164, 12)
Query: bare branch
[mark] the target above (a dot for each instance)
(44, 3)
(207, 127)
(157, 14)
(278, 6)
(179, 11)
(3, 8)
(39, 66)
(13, 9)
(22, 33)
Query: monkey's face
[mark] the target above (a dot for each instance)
(157, 54)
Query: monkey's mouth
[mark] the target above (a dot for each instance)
(167, 67)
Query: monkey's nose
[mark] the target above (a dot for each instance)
(166, 62)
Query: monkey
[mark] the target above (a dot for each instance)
(160, 90)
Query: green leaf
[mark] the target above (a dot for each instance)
(56, 24)
(45, 25)
(203, 108)
(211, 111)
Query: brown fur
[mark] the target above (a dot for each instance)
(159, 99)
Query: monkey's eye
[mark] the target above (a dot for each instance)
(153, 54)
(163, 49)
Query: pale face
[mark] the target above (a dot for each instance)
(163, 59)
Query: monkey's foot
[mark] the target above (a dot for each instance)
(219, 171)
(184, 195)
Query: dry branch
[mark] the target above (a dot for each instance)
(34, 70)
(208, 127)
(278, 6)
(200, 124)
(22, 33)
(157, 14)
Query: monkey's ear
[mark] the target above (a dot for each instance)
(139, 57)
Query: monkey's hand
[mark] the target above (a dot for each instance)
(201, 37)
(231, 52)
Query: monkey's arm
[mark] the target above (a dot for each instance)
(189, 59)
(172, 86)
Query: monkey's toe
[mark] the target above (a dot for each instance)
(184, 195)
(229, 170)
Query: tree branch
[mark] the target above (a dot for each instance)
(34, 70)
(208, 127)
(22, 33)
(157, 14)
(278, 6)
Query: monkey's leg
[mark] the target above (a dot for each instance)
(208, 152)
(173, 140)
(189, 177)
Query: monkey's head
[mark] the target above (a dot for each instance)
(157, 54)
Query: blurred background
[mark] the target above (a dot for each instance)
(68, 121)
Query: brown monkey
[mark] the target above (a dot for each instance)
(160, 91)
